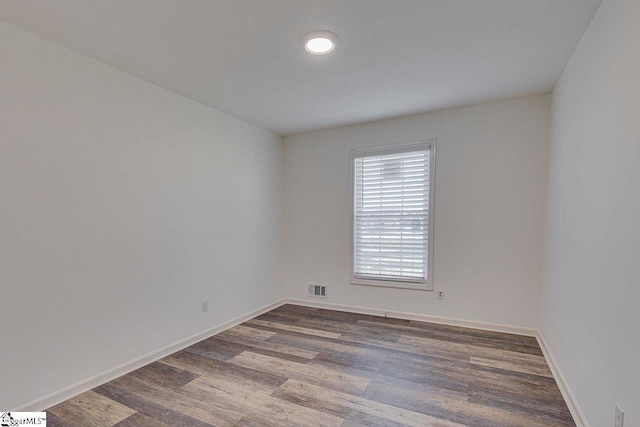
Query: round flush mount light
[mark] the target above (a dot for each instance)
(319, 42)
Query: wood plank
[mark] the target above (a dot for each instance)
(447, 384)
(348, 401)
(433, 388)
(205, 411)
(347, 316)
(478, 333)
(214, 349)
(503, 359)
(256, 405)
(491, 381)
(412, 397)
(282, 317)
(91, 409)
(416, 351)
(539, 409)
(294, 308)
(226, 347)
(213, 368)
(272, 346)
(141, 420)
(337, 326)
(164, 375)
(55, 421)
(351, 416)
(291, 328)
(529, 367)
(459, 335)
(248, 332)
(319, 375)
(326, 346)
(143, 406)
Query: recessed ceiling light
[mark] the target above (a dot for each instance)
(320, 42)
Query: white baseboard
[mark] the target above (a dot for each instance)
(563, 385)
(517, 330)
(54, 398)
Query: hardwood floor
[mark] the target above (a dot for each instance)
(300, 366)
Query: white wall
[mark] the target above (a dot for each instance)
(490, 191)
(589, 305)
(123, 205)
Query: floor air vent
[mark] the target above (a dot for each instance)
(318, 291)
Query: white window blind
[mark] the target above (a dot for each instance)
(391, 215)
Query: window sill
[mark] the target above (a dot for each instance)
(391, 284)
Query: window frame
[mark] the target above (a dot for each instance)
(427, 144)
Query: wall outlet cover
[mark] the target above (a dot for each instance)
(205, 306)
(440, 294)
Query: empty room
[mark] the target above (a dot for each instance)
(320, 213)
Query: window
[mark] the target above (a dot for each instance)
(393, 216)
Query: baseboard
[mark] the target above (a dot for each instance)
(563, 385)
(517, 330)
(54, 398)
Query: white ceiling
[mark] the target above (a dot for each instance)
(394, 57)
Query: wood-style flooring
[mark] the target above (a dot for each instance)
(301, 366)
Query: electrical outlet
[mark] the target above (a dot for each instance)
(440, 293)
(205, 306)
(619, 416)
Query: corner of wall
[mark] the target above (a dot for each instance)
(563, 384)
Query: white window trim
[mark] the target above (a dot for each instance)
(429, 144)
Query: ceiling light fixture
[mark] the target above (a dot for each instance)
(320, 42)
